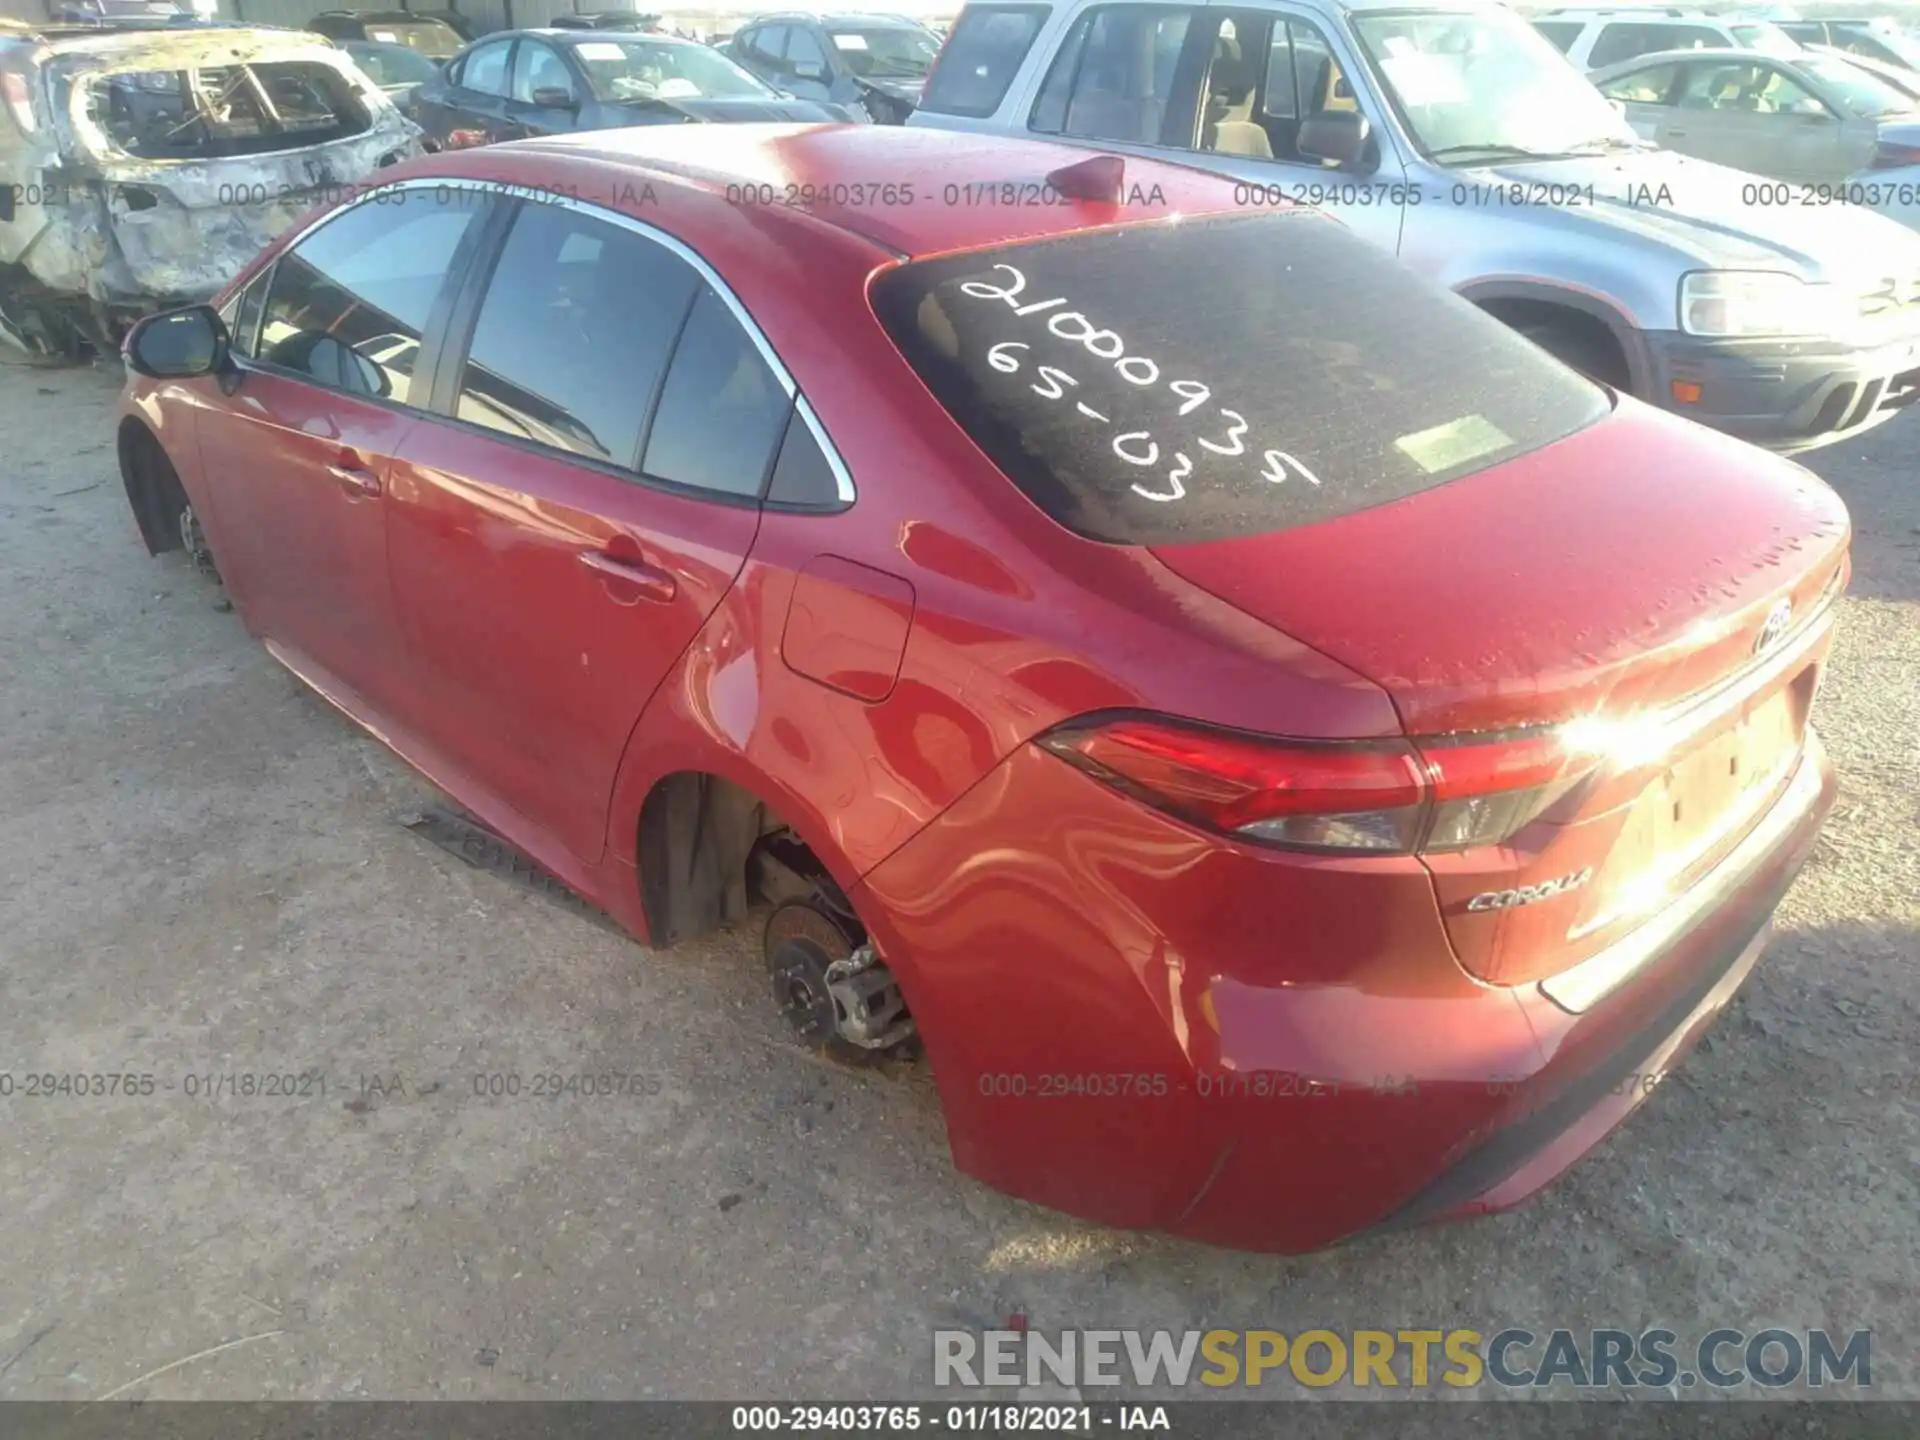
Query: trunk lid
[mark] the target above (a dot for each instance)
(1616, 585)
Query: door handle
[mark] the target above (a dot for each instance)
(352, 473)
(1676, 134)
(652, 583)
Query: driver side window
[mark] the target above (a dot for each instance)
(346, 307)
(484, 71)
(538, 67)
(1747, 89)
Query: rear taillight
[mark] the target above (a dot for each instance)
(13, 88)
(1384, 797)
(1889, 156)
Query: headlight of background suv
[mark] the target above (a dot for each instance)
(1727, 304)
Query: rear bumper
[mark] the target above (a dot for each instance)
(1716, 942)
(1149, 1028)
(1787, 396)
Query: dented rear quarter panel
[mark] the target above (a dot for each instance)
(122, 230)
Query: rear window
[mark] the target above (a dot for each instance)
(980, 58)
(1306, 377)
(434, 39)
(224, 110)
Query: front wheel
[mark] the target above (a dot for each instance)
(1592, 354)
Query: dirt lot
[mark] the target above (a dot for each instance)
(209, 877)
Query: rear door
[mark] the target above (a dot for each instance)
(584, 498)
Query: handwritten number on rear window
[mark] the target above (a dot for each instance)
(1136, 447)
(1237, 427)
(1054, 378)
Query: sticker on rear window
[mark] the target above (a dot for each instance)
(1458, 442)
(850, 42)
(386, 35)
(599, 50)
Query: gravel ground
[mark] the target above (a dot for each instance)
(209, 876)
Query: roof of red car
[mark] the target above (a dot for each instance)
(913, 191)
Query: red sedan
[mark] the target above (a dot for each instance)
(1300, 761)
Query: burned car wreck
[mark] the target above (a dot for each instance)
(142, 168)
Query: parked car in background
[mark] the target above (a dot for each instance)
(465, 26)
(399, 70)
(876, 61)
(1883, 40)
(116, 12)
(631, 20)
(1898, 77)
(141, 168)
(1813, 118)
(1593, 39)
(1455, 136)
(432, 37)
(547, 82)
(1189, 694)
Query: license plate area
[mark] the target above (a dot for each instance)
(1690, 815)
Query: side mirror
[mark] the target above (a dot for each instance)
(555, 97)
(809, 70)
(1340, 136)
(177, 344)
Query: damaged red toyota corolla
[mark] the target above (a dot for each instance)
(1297, 758)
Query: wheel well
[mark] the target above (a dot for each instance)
(708, 848)
(1590, 337)
(153, 489)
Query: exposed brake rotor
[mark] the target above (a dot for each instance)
(831, 985)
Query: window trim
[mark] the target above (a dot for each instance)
(456, 329)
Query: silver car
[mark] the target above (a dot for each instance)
(1454, 135)
(1814, 118)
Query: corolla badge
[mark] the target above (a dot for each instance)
(1530, 894)
(1774, 630)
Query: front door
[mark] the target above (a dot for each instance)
(564, 530)
(298, 458)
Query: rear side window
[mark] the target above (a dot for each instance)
(1114, 76)
(1308, 377)
(976, 66)
(721, 413)
(574, 334)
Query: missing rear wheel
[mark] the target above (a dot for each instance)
(831, 986)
